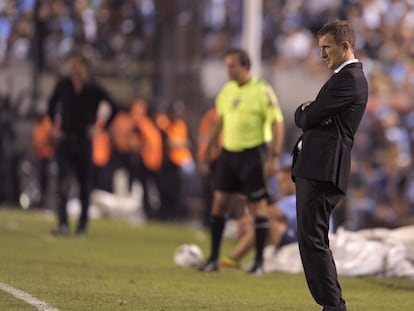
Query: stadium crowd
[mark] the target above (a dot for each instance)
(382, 187)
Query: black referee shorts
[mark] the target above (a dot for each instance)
(242, 172)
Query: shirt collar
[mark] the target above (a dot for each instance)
(351, 61)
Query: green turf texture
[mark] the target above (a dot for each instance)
(121, 266)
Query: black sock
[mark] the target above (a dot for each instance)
(261, 230)
(217, 224)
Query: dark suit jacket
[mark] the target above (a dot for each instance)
(329, 125)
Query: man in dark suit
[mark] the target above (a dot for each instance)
(322, 158)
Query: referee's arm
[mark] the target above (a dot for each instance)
(278, 133)
(213, 139)
(275, 148)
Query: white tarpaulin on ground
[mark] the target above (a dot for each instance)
(382, 252)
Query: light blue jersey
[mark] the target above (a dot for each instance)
(288, 206)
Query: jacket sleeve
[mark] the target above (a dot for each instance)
(335, 96)
(105, 95)
(53, 101)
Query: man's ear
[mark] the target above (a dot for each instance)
(346, 45)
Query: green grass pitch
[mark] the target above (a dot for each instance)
(120, 266)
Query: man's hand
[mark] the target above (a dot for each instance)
(272, 165)
(94, 131)
(204, 165)
(326, 121)
(55, 134)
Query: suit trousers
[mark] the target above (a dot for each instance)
(74, 157)
(314, 204)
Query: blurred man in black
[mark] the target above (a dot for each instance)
(73, 107)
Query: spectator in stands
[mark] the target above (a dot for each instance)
(44, 150)
(101, 158)
(178, 160)
(151, 151)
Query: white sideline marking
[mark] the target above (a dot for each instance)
(38, 304)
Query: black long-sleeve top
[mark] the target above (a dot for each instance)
(78, 111)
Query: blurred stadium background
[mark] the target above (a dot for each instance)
(172, 50)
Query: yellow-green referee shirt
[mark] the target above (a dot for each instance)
(248, 112)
